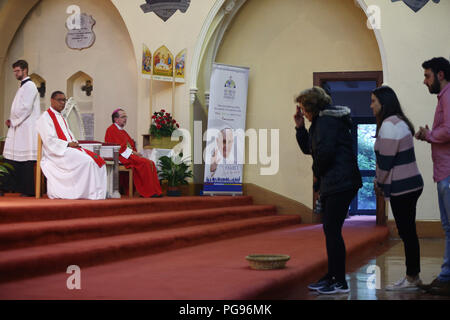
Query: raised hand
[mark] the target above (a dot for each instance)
(299, 118)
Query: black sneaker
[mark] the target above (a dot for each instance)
(325, 281)
(335, 287)
(436, 283)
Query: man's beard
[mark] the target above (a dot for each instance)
(435, 87)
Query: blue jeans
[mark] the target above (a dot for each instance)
(443, 188)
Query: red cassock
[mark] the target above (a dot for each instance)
(145, 175)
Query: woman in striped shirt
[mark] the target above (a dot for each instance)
(398, 177)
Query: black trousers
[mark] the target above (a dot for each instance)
(404, 211)
(21, 179)
(335, 209)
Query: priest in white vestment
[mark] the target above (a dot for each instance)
(72, 172)
(21, 141)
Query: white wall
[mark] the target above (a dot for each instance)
(410, 39)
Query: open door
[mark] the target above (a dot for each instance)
(353, 89)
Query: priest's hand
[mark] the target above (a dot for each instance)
(73, 145)
(8, 123)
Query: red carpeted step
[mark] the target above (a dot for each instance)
(46, 209)
(28, 262)
(26, 234)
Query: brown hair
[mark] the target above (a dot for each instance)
(22, 64)
(314, 100)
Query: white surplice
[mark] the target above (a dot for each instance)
(71, 173)
(21, 140)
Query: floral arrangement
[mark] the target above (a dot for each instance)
(163, 124)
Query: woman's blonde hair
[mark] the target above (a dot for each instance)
(314, 100)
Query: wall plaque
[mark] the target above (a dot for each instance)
(165, 8)
(81, 36)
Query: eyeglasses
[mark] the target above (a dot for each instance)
(61, 100)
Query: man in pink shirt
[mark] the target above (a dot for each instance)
(437, 77)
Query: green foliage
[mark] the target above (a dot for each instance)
(5, 168)
(366, 195)
(175, 170)
(366, 161)
(366, 141)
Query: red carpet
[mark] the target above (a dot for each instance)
(42, 236)
(211, 235)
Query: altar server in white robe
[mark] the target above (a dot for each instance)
(72, 172)
(21, 141)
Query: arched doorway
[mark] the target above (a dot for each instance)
(297, 39)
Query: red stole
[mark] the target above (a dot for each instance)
(98, 160)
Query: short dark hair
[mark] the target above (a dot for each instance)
(438, 64)
(54, 94)
(20, 63)
(115, 114)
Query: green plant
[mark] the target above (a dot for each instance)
(4, 167)
(163, 124)
(175, 170)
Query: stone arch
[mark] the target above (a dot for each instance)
(233, 19)
(211, 35)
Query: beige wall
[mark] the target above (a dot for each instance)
(409, 39)
(283, 42)
(11, 15)
(110, 61)
(178, 33)
(296, 39)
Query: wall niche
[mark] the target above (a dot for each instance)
(80, 87)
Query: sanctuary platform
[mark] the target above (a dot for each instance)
(165, 248)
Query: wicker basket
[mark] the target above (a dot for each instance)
(267, 261)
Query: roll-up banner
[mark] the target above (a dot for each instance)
(224, 154)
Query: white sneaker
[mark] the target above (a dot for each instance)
(404, 285)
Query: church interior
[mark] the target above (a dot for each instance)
(143, 57)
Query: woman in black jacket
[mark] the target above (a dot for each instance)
(335, 167)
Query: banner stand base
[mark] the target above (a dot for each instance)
(223, 193)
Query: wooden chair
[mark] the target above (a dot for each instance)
(39, 180)
(122, 168)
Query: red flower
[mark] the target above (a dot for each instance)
(174, 121)
(162, 110)
(158, 126)
(154, 117)
(178, 125)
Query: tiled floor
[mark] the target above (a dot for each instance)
(385, 267)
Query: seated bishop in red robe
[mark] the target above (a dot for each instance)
(145, 175)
